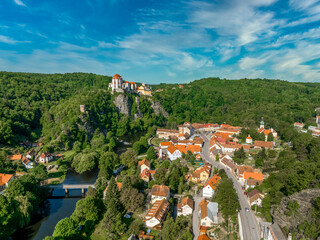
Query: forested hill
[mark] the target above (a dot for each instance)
(241, 102)
(26, 96)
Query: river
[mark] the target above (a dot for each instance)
(56, 209)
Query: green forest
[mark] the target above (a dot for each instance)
(46, 108)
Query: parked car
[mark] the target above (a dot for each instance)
(247, 209)
(128, 215)
(245, 193)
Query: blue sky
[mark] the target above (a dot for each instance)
(163, 41)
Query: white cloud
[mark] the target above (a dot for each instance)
(8, 40)
(238, 20)
(20, 3)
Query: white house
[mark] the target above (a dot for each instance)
(159, 192)
(30, 154)
(255, 198)
(45, 157)
(185, 207)
(249, 139)
(173, 153)
(27, 163)
(157, 214)
(208, 213)
(210, 187)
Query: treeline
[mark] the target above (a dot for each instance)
(241, 102)
(26, 96)
(22, 200)
(294, 170)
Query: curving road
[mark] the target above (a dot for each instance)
(250, 227)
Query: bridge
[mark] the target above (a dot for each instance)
(68, 187)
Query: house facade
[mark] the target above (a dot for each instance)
(144, 164)
(119, 85)
(210, 187)
(185, 207)
(45, 157)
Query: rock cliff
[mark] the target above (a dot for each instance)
(123, 104)
(291, 217)
(157, 108)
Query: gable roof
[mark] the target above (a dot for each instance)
(253, 175)
(144, 162)
(186, 201)
(198, 171)
(253, 192)
(230, 164)
(145, 174)
(277, 232)
(5, 178)
(45, 154)
(263, 144)
(172, 149)
(213, 181)
(165, 144)
(203, 237)
(158, 210)
(244, 168)
(15, 157)
(160, 190)
(193, 148)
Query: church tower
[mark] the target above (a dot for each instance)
(262, 123)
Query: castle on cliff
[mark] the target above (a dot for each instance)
(119, 85)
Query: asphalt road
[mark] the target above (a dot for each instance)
(195, 217)
(250, 225)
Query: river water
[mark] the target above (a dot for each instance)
(56, 209)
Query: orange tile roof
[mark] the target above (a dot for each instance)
(203, 237)
(249, 137)
(298, 124)
(144, 162)
(263, 144)
(5, 178)
(266, 132)
(261, 130)
(185, 201)
(145, 174)
(181, 148)
(213, 181)
(116, 76)
(163, 144)
(253, 175)
(160, 190)
(15, 157)
(197, 172)
(172, 149)
(193, 148)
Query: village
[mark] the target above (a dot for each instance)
(205, 152)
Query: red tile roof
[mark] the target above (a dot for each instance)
(144, 162)
(263, 144)
(213, 181)
(160, 190)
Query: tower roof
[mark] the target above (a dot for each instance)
(116, 76)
